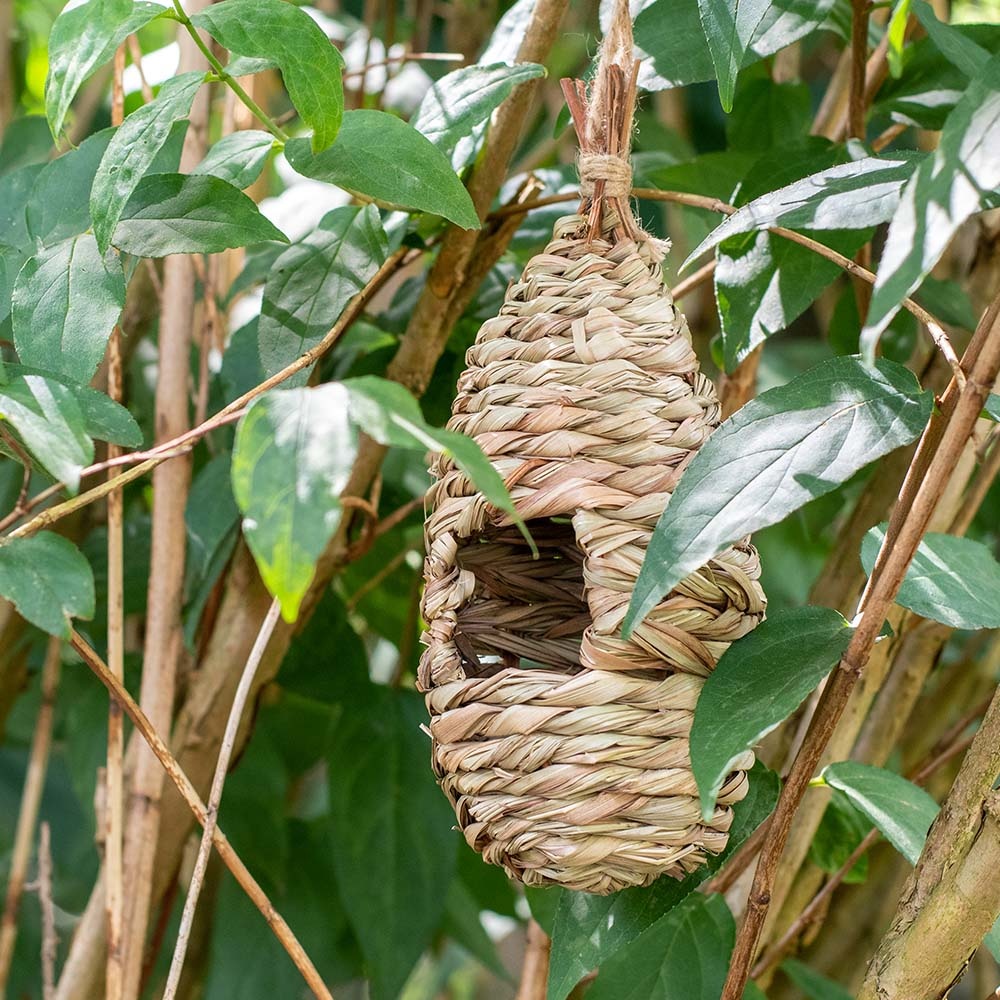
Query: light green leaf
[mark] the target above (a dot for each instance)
(897, 36)
(460, 104)
(759, 681)
(729, 28)
(48, 580)
(852, 195)
(901, 810)
(133, 149)
(238, 159)
(60, 199)
(312, 281)
(992, 940)
(588, 930)
(82, 39)
(293, 453)
(199, 213)
(991, 408)
(814, 985)
(948, 187)
(67, 299)
(958, 48)
(787, 447)
(47, 417)
(684, 956)
(951, 580)
(310, 64)
(378, 156)
(389, 817)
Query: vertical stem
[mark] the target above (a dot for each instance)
(114, 770)
(535, 970)
(215, 796)
(31, 798)
(50, 942)
(163, 640)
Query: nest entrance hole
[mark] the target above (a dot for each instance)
(524, 612)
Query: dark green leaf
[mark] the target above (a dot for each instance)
(174, 213)
(669, 31)
(767, 114)
(790, 445)
(47, 417)
(814, 986)
(951, 580)
(60, 198)
(84, 38)
(852, 195)
(587, 930)
(946, 189)
(133, 149)
(729, 29)
(840, 831)
(378, 156)
(684, 956)
(310, 64)
(759, 681)
(15, 190)
(958, 48)
(460, 103)
(48, 580)
(66, 301)
(25, 141)
(948, 301)
(393, 849)
(211, 517)
(901, 810)
(312, 281)
(11, 261)
(462, 924)
(238, 159)
(291, 458)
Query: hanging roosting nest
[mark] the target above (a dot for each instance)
(563, 747)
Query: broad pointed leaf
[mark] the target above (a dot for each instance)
(951, 580)
(239, 158)
(48, 580)
(759, 681)
(958, 48)
(787, 447)
(729, 28)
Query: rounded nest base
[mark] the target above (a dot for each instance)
(563, 747)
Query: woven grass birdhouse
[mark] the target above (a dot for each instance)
(562, 746)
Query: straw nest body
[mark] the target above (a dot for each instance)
(562, 747)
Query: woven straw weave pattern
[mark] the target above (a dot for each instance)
(563, 747)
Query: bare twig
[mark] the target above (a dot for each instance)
(200, 811)
(940, 449)
(859, 51)
(31, 798)
(535, 970)
(50, 941)
(215, 797)
(136, 53)
(405, 57)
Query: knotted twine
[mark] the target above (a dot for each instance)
(563, 747)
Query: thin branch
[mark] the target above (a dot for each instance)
(859, 51)
(50, 941)
(200, 811)
(940, 448)
(215, 797)
(694, 281)
(31, 798)
(535, 970)
(136, 53)
(405, 57)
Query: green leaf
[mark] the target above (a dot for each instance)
(784, 448)
(897, 36)
(132, 150)
(901, 810)
(25, 141)
(958, 48)
(312, 281)
(683, 956)
(588, 930)
(67, 299)
(951, 580)
(948, 301)
(281, 32)
(948, 187)
(759, 681)
(385, 411)
(211, 517)
(460, 104)
(292, 456)
(729, 29)
(15, 190)
(992, 941)
(393, 849)
(48, 580)
(852, 195)
(670, 32)
(11, 261)
(199, 213)
(814, 985)
(59, 205)
(991, 408)
(47, 417)
(378, 156)
(238, 159)
(766, 114)
(840, 831)
(462, 923)
(82, 39)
